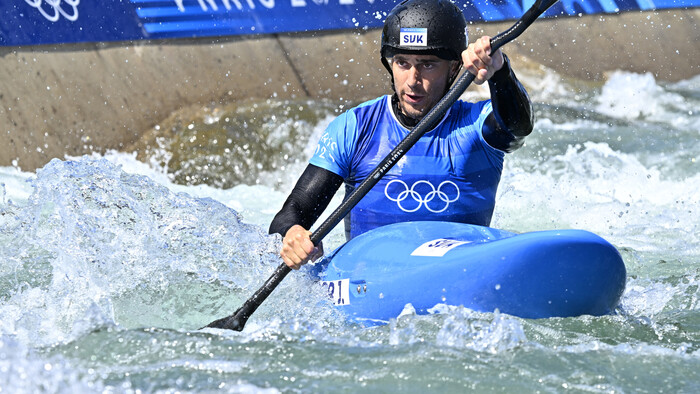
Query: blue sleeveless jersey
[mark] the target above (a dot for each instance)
(450, 174)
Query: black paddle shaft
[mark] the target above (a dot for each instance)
(238, 320)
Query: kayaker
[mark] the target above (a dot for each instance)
(452, 173)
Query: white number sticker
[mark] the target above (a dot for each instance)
(338, 291)
(437, 247)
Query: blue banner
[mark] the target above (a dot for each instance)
(35, 22)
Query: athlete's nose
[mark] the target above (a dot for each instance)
(414, 77)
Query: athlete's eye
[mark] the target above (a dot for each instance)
(428, 66)
(402, 63)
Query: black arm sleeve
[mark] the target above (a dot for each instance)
(512, 118)
(309, 198)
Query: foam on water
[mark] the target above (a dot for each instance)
(639, 97)
(94, 244)
(13, 184)
(596, 188)
(23, 371)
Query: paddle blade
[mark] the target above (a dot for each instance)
(239, 318)
(234, 322)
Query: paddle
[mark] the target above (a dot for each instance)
(239, 318)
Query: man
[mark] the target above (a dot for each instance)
(452, 172)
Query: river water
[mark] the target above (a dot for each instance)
(110, 264)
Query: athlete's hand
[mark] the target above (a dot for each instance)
(297, 248)
(479, 60)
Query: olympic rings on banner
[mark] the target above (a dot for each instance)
(441, 193)
(57, 8)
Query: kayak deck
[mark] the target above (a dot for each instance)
(539, 274)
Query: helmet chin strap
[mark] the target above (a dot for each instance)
(452, 78)
(391, 73)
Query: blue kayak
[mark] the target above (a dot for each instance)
(539, 274)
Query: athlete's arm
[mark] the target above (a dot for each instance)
(512, 118)
(309, 198)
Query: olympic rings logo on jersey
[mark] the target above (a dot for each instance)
(422, 193)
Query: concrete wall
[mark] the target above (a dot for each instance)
(78, 98)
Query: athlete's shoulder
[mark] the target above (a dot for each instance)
(381, 100)
(358, 115)
(467, 107)
(465, 113)
(367, 113)
(337, 146)
(370, 107)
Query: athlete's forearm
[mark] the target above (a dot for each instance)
(513, 117)
(309, 198)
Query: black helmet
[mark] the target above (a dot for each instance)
(431, 27)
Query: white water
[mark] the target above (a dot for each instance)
(109, 269)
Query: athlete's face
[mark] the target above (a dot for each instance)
(420, 81)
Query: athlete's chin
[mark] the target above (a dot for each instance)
(413, 111)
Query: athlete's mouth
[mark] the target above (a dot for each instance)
(413, 98)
